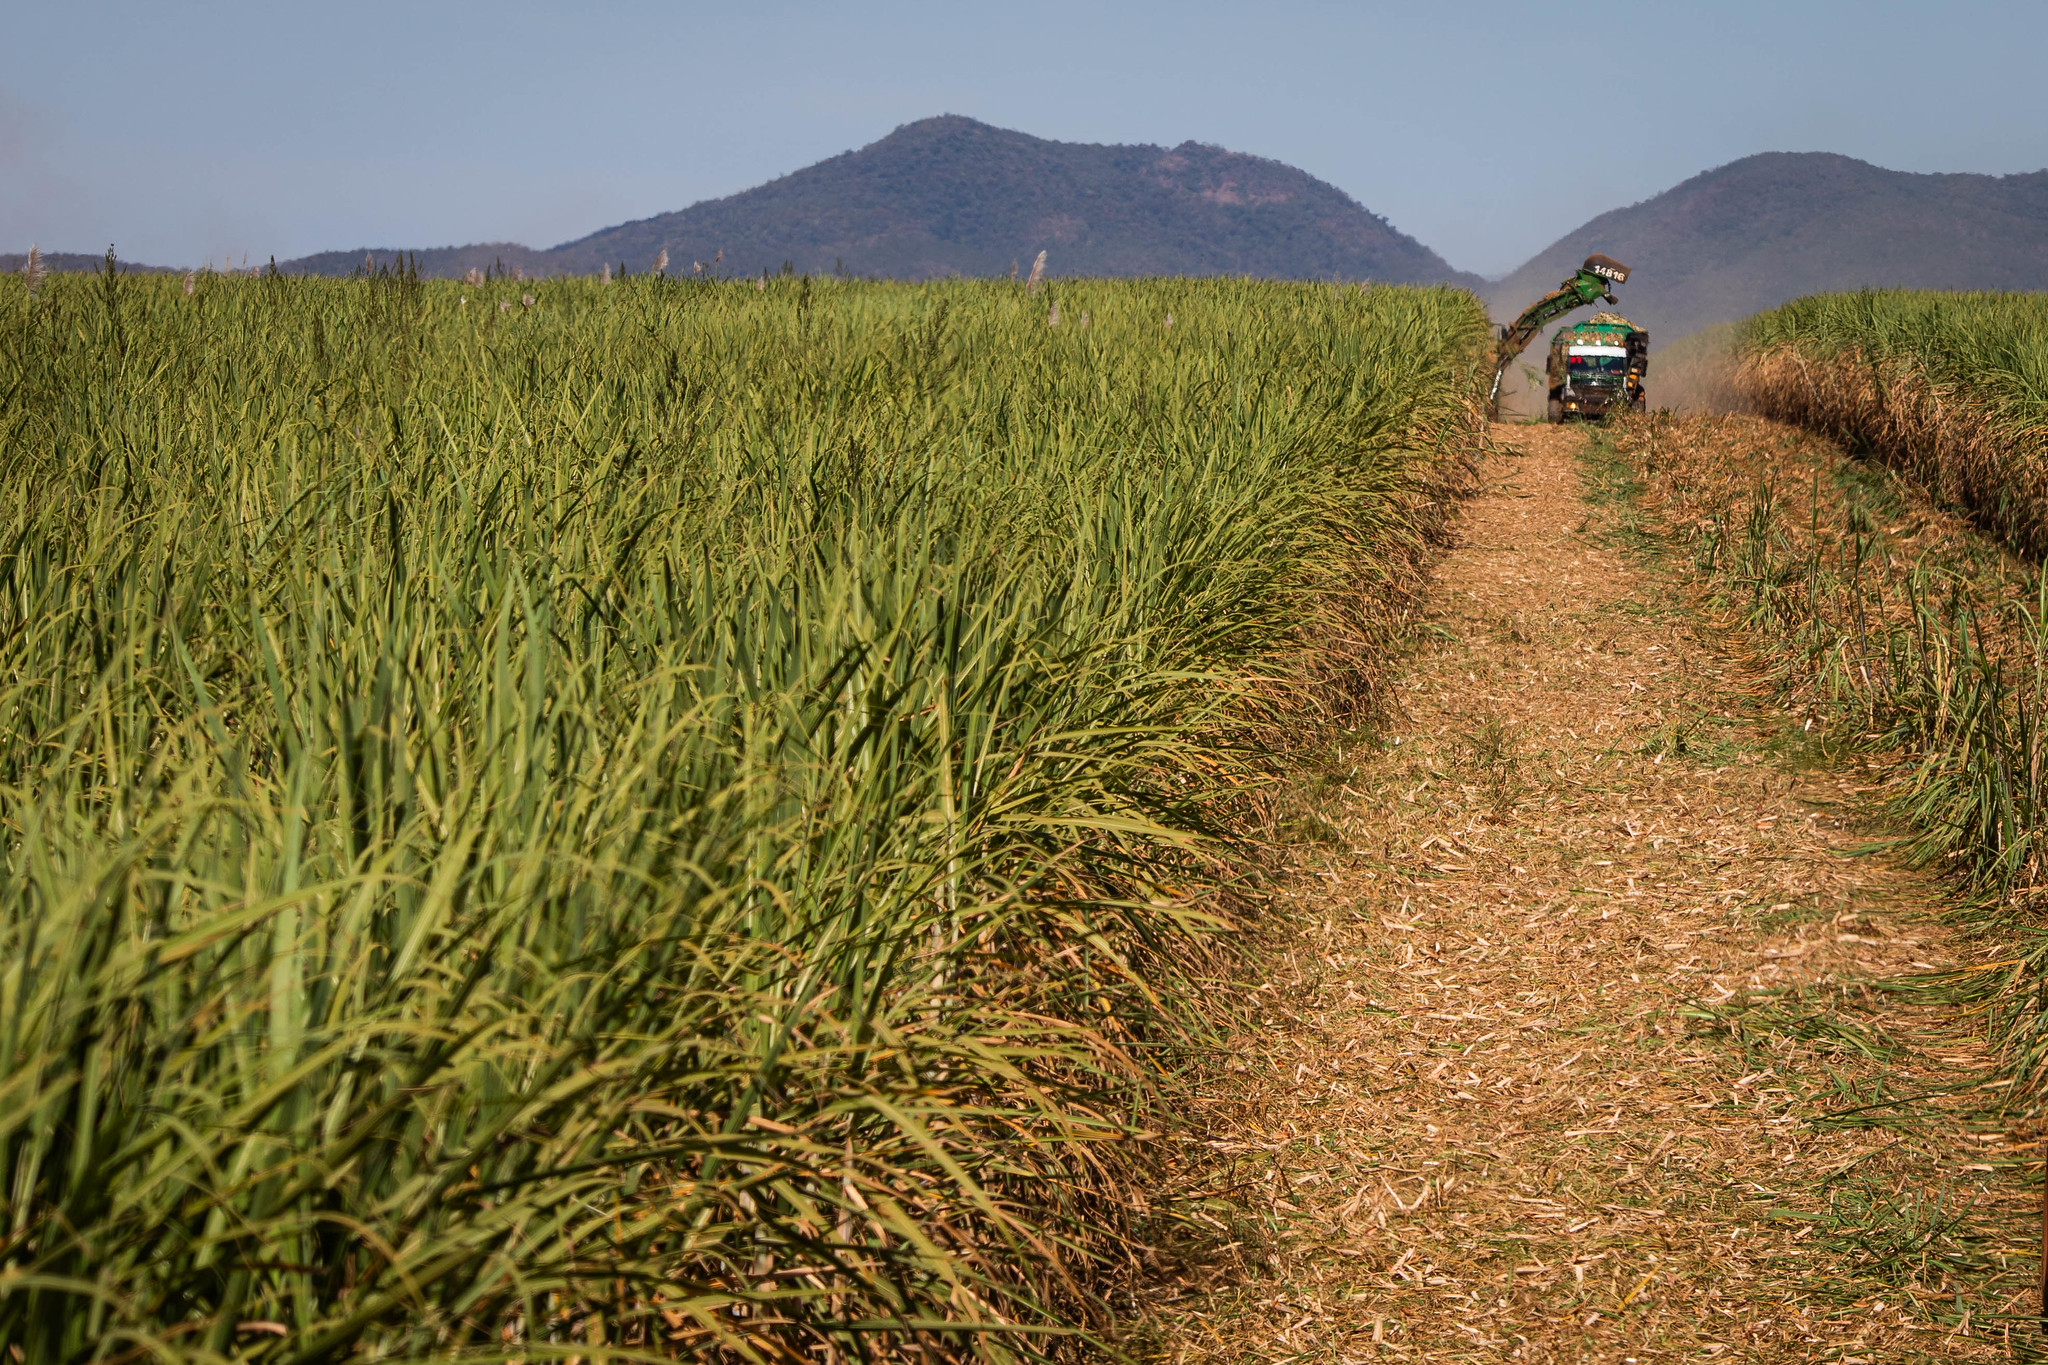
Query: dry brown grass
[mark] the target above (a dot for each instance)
(1701, 478)
(1577, 1012)
(1965, 453)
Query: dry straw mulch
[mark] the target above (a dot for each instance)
(1962, 447)
(1578, 1044)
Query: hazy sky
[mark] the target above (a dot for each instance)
(180, 131)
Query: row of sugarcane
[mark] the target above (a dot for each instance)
(655, 823)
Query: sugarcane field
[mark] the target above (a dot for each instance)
(1021, 750)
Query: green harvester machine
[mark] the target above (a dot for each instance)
(1595, 366)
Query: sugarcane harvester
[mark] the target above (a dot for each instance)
(1593, 282)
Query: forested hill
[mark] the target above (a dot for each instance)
(11, 263)
(1758, 232)
(950, 195)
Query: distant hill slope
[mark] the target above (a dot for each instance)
(1766, 229)
(439, 262)
(950, 195)
(11, 262)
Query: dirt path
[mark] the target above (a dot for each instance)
(1560, 1064)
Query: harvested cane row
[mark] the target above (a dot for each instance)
(1897, 632)
(1950, 389)
(1950, 644)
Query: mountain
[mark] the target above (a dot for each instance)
(1758, 232)
(951, 196)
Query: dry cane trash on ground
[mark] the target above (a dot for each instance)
(1578, 1044)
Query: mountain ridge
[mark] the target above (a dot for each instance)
(1768, 228)
(79, 262)
(953, 196)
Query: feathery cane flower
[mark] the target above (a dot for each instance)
(191, 283)
(1037, 274)
(661, 261)
(32, 269)
(1052, 319)
(526, 300)
(604, 273)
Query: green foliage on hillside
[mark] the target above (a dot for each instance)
(546, 820)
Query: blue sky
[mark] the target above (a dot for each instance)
(183, 132)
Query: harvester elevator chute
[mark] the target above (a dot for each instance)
(1592, 283)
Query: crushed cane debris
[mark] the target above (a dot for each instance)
(1579, 1045)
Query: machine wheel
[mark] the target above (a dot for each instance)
(1557, 409)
